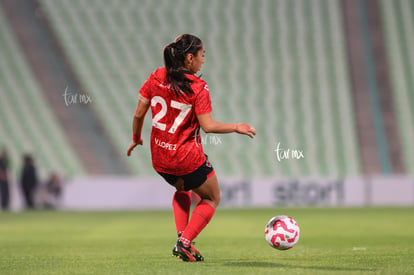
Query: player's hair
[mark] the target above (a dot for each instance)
(174, 56)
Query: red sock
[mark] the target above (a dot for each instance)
(181, 206)
(201, 216)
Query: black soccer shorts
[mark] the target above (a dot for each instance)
(194, 179)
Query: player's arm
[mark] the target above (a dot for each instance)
(209, 125)
(137, 122)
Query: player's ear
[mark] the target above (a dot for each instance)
(188, 59)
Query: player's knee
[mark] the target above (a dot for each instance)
(217, 199)
(214, 199)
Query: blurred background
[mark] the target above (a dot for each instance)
(328, 84)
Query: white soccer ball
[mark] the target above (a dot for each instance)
(282, 232)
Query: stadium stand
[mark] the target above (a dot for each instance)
(399, 28)
(27, 122)
(280, 66)
(48, 62)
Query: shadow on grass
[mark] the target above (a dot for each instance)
(278, 265)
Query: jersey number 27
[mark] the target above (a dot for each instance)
(184, 110)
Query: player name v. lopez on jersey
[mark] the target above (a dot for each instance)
(165, 145)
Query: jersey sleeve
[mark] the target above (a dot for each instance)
(202, 103)
(145, 90)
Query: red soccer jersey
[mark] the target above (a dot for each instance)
(175, 135)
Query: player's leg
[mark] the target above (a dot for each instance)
(181, 205)
(209, 193)
(181, 201)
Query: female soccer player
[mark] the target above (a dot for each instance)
(180, 104)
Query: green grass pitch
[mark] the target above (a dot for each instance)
(332, 241)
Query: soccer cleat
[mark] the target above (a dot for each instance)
(182, 252)
(193, 250)
(196, 253)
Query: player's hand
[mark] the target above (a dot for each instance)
(246, 129)
(132, 146)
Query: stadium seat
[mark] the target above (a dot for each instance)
(399, 31)
(27, 122)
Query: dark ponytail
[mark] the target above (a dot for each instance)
(174, 56)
